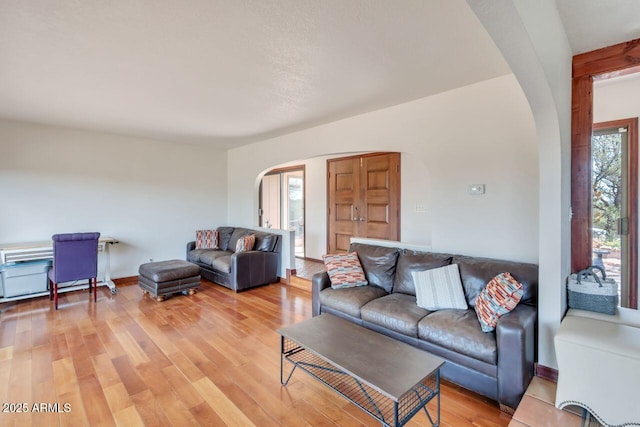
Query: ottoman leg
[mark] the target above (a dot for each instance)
(192, 291)
(160, 298)
(145, 292)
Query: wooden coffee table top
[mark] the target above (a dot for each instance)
(389, 366)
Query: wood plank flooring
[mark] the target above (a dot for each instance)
(209, 359)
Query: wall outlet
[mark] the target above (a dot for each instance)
(421, 208)
(476, 189)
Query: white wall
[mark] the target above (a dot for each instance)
(151, 195)
(483, 133)
(531, 38)
(616, 99)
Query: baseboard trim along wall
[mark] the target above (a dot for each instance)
(126, 281)
(547, 373)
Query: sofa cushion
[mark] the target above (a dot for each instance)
(378, 263)
(410, 261)
(224, 234)
(194, 255)
(439, 288)
(344, 270)
(476, 273)
(499, 297)
(350, 300)
(397, 312)
(222, 264)
(208, 256)
(459, 331)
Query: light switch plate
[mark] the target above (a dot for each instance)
(476, 189)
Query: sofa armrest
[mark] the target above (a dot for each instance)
(515, 336)
(319, 281)
(190, 246)
(253, 268)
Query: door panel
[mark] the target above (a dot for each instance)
(363, 199)
(377, 214)
(614, 204)
(270, 201)
(342, 243)
(377, 180)
(344, 181)
(344, 212)
(381, 197)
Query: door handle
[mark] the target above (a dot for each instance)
(623, 226)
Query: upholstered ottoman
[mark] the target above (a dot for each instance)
(599, 365)
(168, 277)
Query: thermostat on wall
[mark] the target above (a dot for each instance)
(476, 189)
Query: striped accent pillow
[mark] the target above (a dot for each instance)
(207, 239)
(245, 243)
(439, 288)
(499, 297)
(344, 270)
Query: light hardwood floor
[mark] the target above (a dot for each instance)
(208, 359)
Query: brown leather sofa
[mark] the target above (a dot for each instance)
(238, 271)
(497, 364)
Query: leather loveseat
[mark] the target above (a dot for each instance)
(497, 364)
(238, 271)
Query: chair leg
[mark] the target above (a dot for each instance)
(50, 289)
(95, 289)
(55, 295)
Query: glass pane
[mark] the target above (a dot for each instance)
(608, 203)
(295, 192)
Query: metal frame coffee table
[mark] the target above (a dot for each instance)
(390, 380)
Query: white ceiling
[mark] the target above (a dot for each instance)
(593, 24)
(227, 72)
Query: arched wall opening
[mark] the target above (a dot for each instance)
(478, 134)
(533, 42)
(315, 220)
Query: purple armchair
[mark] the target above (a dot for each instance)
(75, 257)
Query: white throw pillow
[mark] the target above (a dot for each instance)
(439, 288)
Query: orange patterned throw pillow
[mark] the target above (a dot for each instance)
(245, 243)
(499, 297)
(345, 270)
(207, 239)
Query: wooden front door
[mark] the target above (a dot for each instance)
(363, 199)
